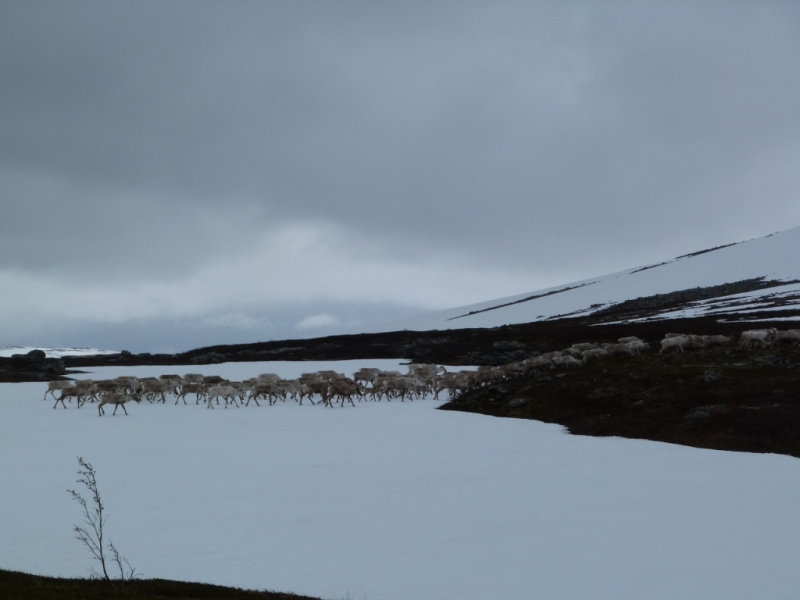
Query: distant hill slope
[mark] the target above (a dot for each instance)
(756, 279)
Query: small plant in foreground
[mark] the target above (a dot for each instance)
(92, 533)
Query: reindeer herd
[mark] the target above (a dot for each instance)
(322, 387)
(369, 384)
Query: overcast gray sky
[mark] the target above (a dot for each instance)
(177, 174)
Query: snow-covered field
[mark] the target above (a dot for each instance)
(393, 501)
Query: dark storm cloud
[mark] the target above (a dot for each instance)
(371, 113)
(555, 140)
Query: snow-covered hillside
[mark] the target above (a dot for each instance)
(775, 258)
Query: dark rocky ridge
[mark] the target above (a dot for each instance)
(493, 346)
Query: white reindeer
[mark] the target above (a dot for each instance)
(673, 341)
(759, 336)
(566, 361)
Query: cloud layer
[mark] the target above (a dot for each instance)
(230, 163)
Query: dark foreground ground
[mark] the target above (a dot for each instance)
(21, 586)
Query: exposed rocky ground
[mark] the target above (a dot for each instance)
(33, 366)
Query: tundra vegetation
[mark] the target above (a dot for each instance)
(735, 392)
